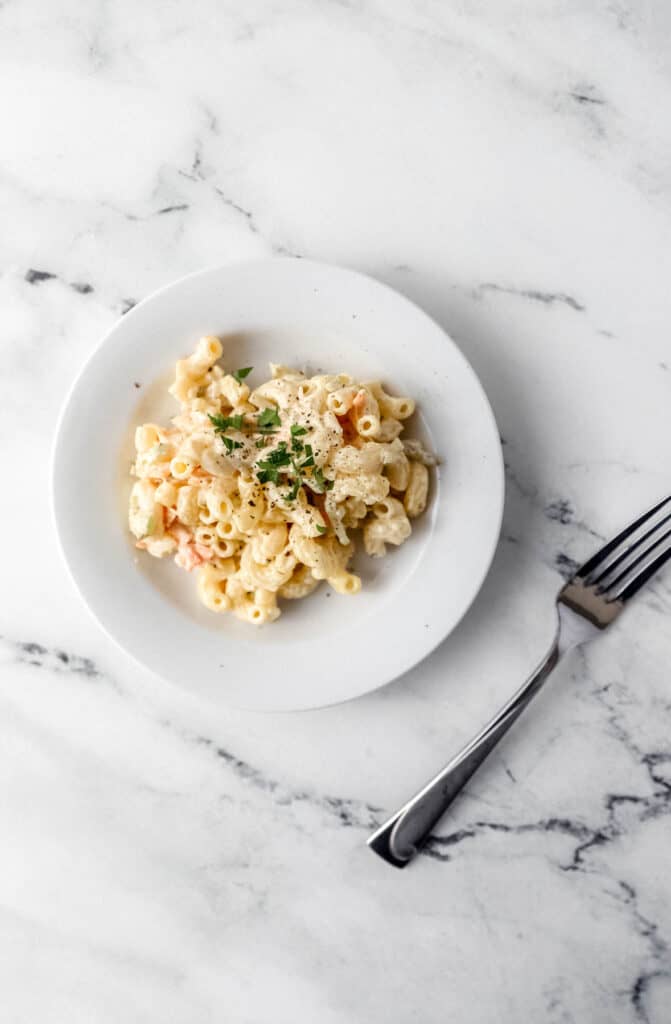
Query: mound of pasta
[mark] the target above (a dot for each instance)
(258, 489)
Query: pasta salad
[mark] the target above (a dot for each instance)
(258, 489)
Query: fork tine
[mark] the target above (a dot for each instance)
(610, 553)
(631, 566)
(629, 586)
(624, 554)
(626, 562)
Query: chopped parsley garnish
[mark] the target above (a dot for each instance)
(268, 418)
(318, 482)
(269, 468)
(231, 445)
(293, 493)
(241, 374)
(320, 529)
(284, 461)
(278, 457)
(297, 445)
(271, 474)
(261, 443)
(222, 423)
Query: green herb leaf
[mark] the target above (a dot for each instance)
(268, 418)
(297, 431)
(278, 457)
(318, 481)
(241, 374)
(308, 450)
(293, 493)
(222, 423)
(320, 529)
(269, 474)
(231, 445)
(261, 443)
(308, 462)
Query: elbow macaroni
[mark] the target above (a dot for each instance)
(258, 489)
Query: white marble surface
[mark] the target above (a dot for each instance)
(507, 166)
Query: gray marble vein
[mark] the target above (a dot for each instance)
(534, 295)
(507, 167)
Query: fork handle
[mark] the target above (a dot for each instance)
(403, 835)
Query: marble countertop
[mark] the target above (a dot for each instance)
(507, 167)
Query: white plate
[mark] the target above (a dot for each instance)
(326, 648)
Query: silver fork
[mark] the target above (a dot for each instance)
(590, 601)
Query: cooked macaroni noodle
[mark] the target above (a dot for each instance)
(258, 488)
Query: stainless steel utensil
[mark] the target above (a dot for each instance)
(590, 601)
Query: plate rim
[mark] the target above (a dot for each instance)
(497, 470)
